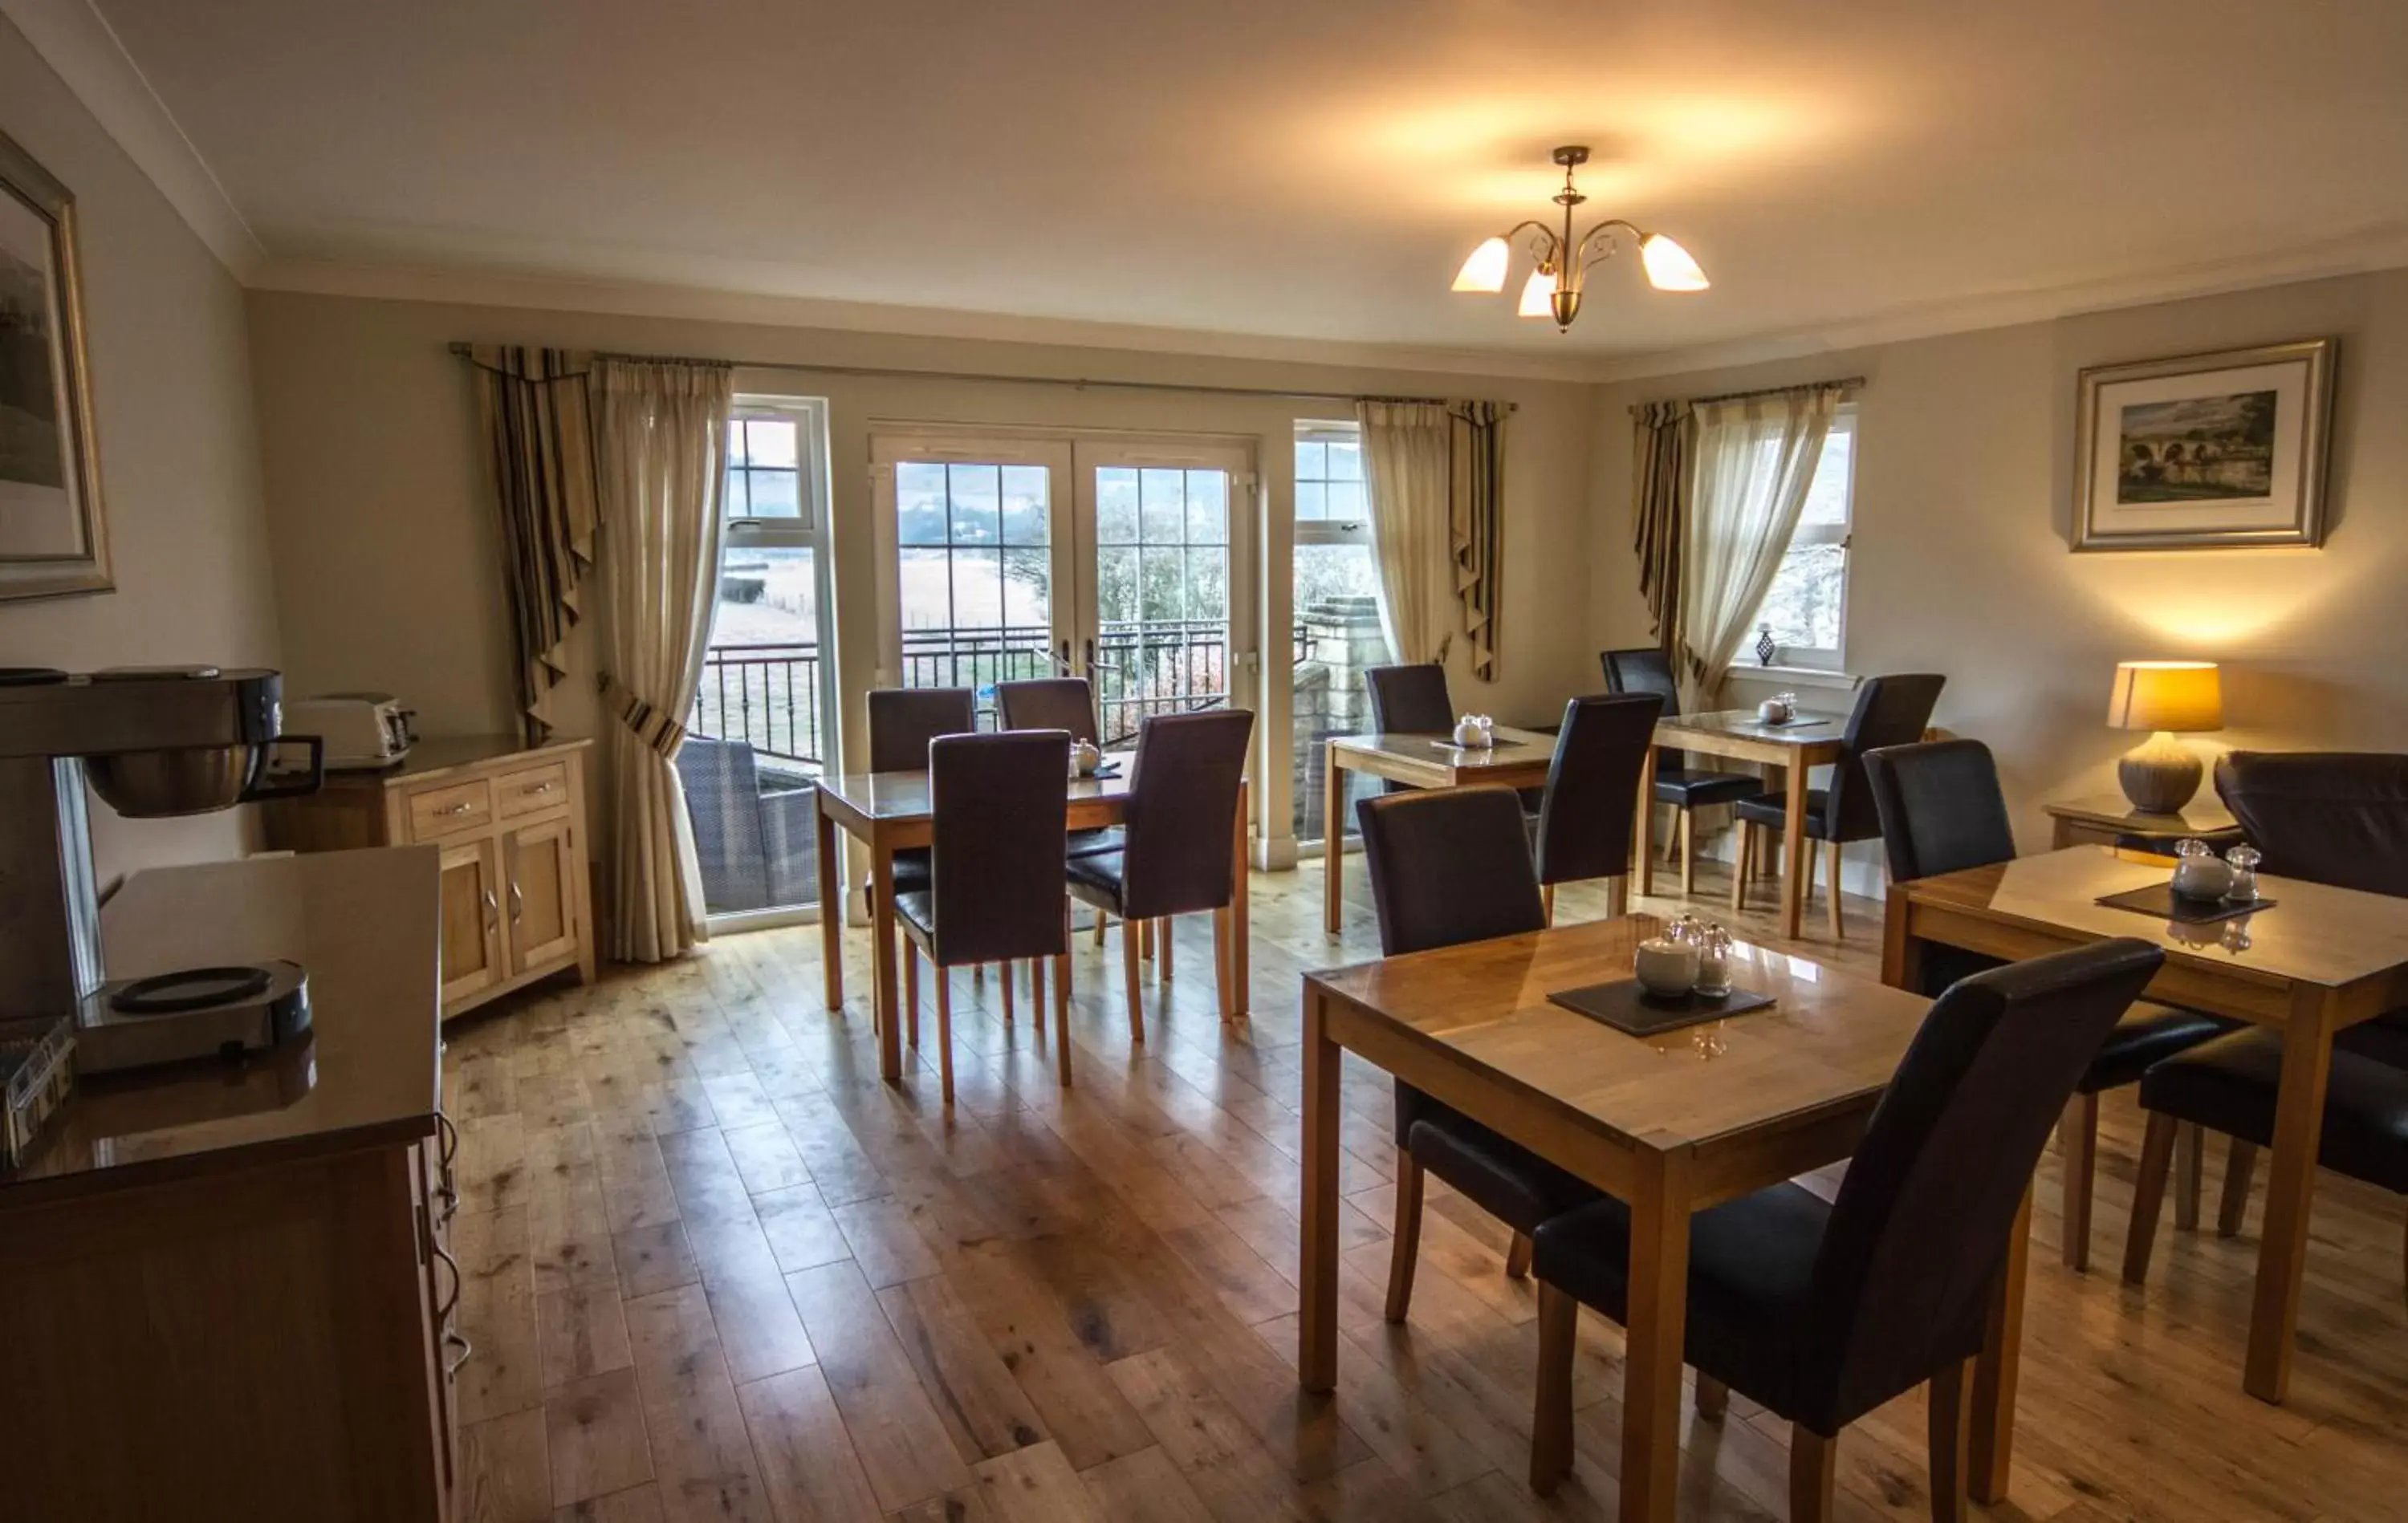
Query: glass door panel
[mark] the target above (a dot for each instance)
(1161, 573)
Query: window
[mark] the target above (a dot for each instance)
(1338, 629)
(1807, 604)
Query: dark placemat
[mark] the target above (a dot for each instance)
(1626, 1005)
(2159, 898)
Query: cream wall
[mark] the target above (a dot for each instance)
(1960, 565)
(178, 444)
(382, 516)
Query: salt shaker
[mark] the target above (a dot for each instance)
(1713, 962)
(2244, 861)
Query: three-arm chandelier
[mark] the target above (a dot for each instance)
(1563, 263)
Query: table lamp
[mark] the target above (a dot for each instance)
(2160, 775)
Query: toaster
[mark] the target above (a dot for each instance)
(362, 729)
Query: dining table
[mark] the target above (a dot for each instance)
(888, 812)
(1670, 1124)
(1519, 759)
(1794, 746)
(2313, 961)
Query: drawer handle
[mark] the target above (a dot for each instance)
(451, 1302)
(451, 1368)
(464, 807)
(533, 789)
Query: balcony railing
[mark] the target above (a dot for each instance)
(765, 694)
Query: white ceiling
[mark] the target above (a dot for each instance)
(1312, 169)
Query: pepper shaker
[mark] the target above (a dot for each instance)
(1713, 962)
(2244, 861)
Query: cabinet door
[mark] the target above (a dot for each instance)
(472, 920)
(542, 887)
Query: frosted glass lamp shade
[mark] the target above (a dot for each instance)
(1669, 266)
(1485, 271)
(1538, 294)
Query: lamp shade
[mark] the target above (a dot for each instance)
(1485, 271)
(2167, 696)
(1669, 266)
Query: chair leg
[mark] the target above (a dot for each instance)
(1831, 887)
(2149, 1195)
(2238, 1165)
(911, 990)
(1714, 1397)
(2078, 1134)
(2189, 1151)
(1688, 851)
(1813, 1475)
(1617, 896)
(1740, 866)
(1404, 1244)
(1062, 1018)
(1221, 961)
(1037, 994)
(1551, 1421)
(945, 1031)
(1130, 936)
(1006, 981)
(1952, 1434)
(1145, 940)
(1162, 949)
(1547, 900)
(1099, 930)
(1518, 1258)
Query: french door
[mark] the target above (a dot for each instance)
(1117, 559)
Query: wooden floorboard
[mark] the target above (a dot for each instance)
(713, 1268)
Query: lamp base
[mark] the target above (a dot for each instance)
(2159, 775)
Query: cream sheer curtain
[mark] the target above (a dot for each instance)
(663, 434)
(1406, 460)
(1756, 458)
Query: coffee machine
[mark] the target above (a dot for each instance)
(152, 742)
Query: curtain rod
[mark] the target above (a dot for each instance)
(1854, 382)
(1078, 383)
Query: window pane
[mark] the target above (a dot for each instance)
(920, 503)
(735, 507)
(1346, 502)
(1115, 585)
(977, 589)
(1028, 589)
(1827, 497)
(1346, 462)
(769, 441)
(1311, 461)
(1158, 585)
(1803, 603)
(1116, 505)
(1162, 499)
(1208, 507)
(923, 585)
(1338, 636)
(1024, 499)
(1310, 502)
(976, 498)
(1207, 584)
(774, 493)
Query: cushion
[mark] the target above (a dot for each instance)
(913, 870)
(1508, 1180)
(2228, 1085)
(1096, 879)
(1095, 843)
(2148, 1034)
(919, 907)
(2385, 1039)
(1767, 809)
(1691, 790)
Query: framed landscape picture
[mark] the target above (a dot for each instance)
(2204, 452)
(53, 535)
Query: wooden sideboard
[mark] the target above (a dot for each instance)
(510, 821)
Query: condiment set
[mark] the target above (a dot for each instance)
(1085, 757)
(1475, 733)
(1692, 956)
(1780, 708)
(2200, 875)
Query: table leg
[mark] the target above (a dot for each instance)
(1333, 840)
(1646, 831)
(2061, 834)
(1793, 851)
(1318, 1314)
(1240, 947)
(1651, 1380)
(1997, 1368)
(832, 899)
(1901, 950)
(2290, 1184)
(881, 952)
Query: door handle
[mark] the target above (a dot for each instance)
(492, 911)
(1062, 661)
(518, 902)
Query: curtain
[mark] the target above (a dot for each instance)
(1476, 519)
(536, 413)
(1659, 510)
(1406, 461)
(663, 435)
(1756, 459)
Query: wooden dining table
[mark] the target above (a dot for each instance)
(1519, 759)
(1670, 1124)
(891, 811)
(2319, 960)
(1806, 742)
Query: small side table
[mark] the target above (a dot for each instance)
(2109, 818)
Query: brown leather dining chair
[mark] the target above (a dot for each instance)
(999, 812)
(903, 722)
(1686, 788)
(1068, 703)
(1587, 815)
(1183, 802)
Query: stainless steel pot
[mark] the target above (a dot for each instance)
(197, 779)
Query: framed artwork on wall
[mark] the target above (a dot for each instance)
(53, 533)
(2204, 452)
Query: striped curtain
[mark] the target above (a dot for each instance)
(1659, 510)
(1477, 525)
(537, 418)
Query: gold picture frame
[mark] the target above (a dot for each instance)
(53, 524)
(2205, 451)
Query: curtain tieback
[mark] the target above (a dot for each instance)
(651, 724)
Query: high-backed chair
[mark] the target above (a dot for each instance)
(1057, 702)
(1183, 802)
(1942, 811)
(1821, 1312)
(1409, 699)
(1687, 790)
(2326, 817)
(1890, 711)
(1585, 819)
(1448, 867)
(997, 809)
(903, 722)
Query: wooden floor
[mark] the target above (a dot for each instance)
(715, 1269)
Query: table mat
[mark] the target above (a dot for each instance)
(2159, 898)
(1626, 1005)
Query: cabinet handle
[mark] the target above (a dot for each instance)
(451, 1368)
(518, 902)
(447, 1151)
(533, 789)
(459, 809)
(451, 1302)
(492, 911)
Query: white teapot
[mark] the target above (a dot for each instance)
(1475, 732)
(2200, 873)
(1085, 758)
(1775, 710)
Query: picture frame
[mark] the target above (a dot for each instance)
(53, 524)
(2222, 450)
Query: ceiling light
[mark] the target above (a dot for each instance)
(1563, 263)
